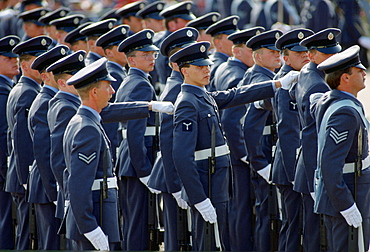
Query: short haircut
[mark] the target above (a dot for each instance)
(84, 91)
(333, 78)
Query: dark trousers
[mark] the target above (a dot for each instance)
(240, 210)
(6, 222)
(22, 231)
(170, 210)
(198, 227)
(262, 226)
(135, 214)
(289, 235)
(311, 225)
(47, 227)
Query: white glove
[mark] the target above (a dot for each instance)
(257, 105)
(25, 186)
(364, 42)
(162, 106)
(98, 239)
(315, 97)
(206, 209)
(180, 202)
(352, 215)
(265, 173)
(288, 79)
(145, 180)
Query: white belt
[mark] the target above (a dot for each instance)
(149, 131)
(112, 183)
(204, 154)
(267, 130)
(350, 167)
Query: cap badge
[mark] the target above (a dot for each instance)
(300, 35)
(62, 51)
(202, 48)
(43, 42)
(189, 33)
(141, 5)
(330, 36)
(123, 30)
(214, 18)
(42, 13)
(277, 35)
(188, 6)
(110, 25)
(235, 22)
(11, 42)
(76, 21)
(62, 13)
(80, 57)
(258, 32)
(148, 35)
(160, 7)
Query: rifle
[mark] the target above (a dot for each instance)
(353, 237)
(211, 235)
(153, 211)
(272, 197)
(183, 230)
(103, 186)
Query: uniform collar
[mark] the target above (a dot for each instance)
(93, 111)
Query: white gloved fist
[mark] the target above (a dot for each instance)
(364, 42)
(265, 173)
(206, 209)
(180, 202)
(145, 181)
(352, 215)
(98, 239)
(289, 79)
(315, 97)
(162, 106)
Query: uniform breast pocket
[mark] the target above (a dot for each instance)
(208, 118)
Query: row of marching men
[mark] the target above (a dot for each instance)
(195, 145)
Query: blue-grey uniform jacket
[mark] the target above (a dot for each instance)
(21, 157)
(42, 185)
(6, 85)
(135, 151)
(195, 112)
(310, 80)
(336, 188)
(288, 128)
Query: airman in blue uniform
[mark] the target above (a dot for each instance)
(116, 67)
(21, 156)
(317, 15)
(151, 18)
(128, 15)
(223, 47)
(243, 9)
(83, 215)
(175, 17)
(31, 26)
(92, 33)
(321, 46)
(228, 75)
(164, 176)
(66, 24)
(50, 16)
(202, 23)
(77, 41)
(9, 69)
(288, 130)
(196, 110)
(258, 137)
(41, 183)
(135, 159)
(341, 185)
